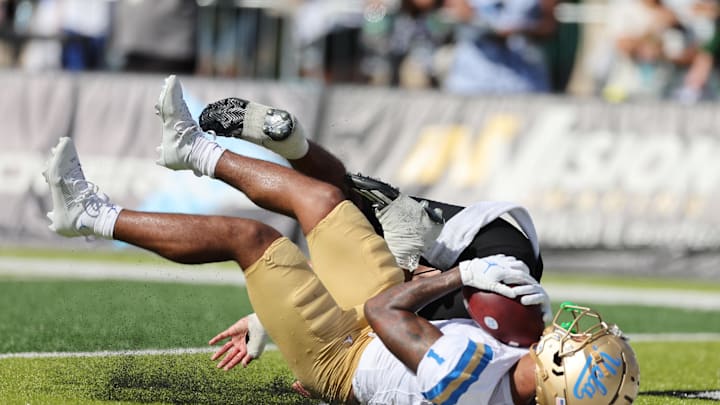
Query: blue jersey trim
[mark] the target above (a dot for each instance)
(461, 373)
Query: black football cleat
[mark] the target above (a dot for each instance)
(378, 193)
(237, 118)
(225, 117)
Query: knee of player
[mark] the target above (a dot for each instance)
(261, 234)
(325, 197)
(250, 240)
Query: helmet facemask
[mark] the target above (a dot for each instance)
(580, 359)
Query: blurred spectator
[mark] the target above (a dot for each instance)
(641, 52)
(228, 39)
(7, 11)
(401, 45)
(155, 35)
(498, 46)
(327, 36)
(85, 26)
(41, 24)
(695, 16)
(7, 14)
(699, 82)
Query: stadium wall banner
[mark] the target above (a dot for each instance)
(618, 187)
(633, 178)
(36, 110)
(112, 121)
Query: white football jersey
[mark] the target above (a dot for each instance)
(465, 366)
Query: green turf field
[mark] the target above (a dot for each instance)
(113, 315)
(192, 378)
(184, 379)
(90, 316)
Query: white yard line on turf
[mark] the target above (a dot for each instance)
(106, 353)
(685, 299)
(68, 269)
(638, 337)
(212, 274)
(674, 337)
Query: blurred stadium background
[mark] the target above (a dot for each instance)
(618, 176)
(599, 116)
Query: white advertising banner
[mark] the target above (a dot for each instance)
(611, 186)
(643, 178)
(112, 121)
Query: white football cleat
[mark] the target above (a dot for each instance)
(179, 129)
(71, 194)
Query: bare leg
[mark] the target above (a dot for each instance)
(194, 239)
(279, 189)
(78, 210)
(203, 239)
(278, 131)
(320, 164)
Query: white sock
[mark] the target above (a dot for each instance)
(294, 147)
(103, 223)
(204, 156)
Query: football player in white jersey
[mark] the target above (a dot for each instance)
(347, 327)
(407, 225)
(434, 235)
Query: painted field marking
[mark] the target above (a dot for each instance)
(214, 275)
(637, 337)
(98, 270)
(111, 353)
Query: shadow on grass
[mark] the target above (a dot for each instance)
(185, 380)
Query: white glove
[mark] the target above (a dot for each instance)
(494, 273)
(535, 294)
(257, 337)
(408, 230)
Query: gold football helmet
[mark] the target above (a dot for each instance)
(584, 361)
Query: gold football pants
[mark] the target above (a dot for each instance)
(315, 317)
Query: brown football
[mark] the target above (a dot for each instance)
(506, 319)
